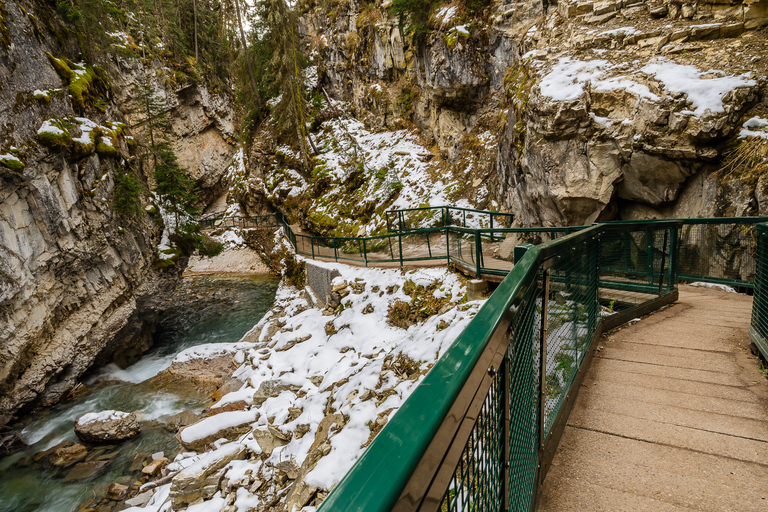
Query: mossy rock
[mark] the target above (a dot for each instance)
(173, 252)
(81, 86)
(82, 149)
(62, 68)
(12, 163)
(103, 149)
(55, 140)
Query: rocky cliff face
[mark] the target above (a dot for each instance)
(602, 110)
(628, 109)
(77, 280)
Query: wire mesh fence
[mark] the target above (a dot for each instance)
(719, 250)
(758, 329)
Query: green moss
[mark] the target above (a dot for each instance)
(173, 252)
(81, 86)
(13, 164)
(55, 140)
(61, 67)
(103, 149)
(43, 98)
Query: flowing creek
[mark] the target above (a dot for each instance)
(207, 309)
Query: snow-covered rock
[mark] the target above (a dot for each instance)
(107, 426)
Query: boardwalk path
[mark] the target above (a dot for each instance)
(673, 415)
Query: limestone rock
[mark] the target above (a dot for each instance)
(179, 420)
(289, 468)
(268, 439)
(227, 424)
(270, 389)
(107, 426)
(201, 479)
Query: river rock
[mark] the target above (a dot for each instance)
(86, 470)
(117, 492)
(41, 455)
(201, 478)
(138, 462)
(68, 455)
(107, 426)
(154, 467)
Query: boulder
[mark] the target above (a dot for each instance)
(182, 419)
(107, 426)
(154, 467)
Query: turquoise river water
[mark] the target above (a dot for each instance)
(206, 310)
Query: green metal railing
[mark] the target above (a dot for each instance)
(716, 250)
(758, 329)
(480, 431)
(219, 221)
(444, 216)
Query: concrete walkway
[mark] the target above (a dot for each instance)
(673, 415)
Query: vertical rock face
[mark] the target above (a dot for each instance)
(77, 281)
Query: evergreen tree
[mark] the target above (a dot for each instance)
(126, 193)
(286, 66)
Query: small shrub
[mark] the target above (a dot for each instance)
(208, 247)
(12, 163)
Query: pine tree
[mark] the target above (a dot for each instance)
(287, 69)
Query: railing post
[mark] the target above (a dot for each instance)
(478, 252)
(400, 243)
(335, 249)
(312, 246)
(673, 259)
(649, 241)
(663, 258)
(365, 253)
(491, 215)
(543, 371)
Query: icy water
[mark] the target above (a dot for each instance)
(206, 310)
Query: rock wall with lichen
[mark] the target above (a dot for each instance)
(78, 284)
